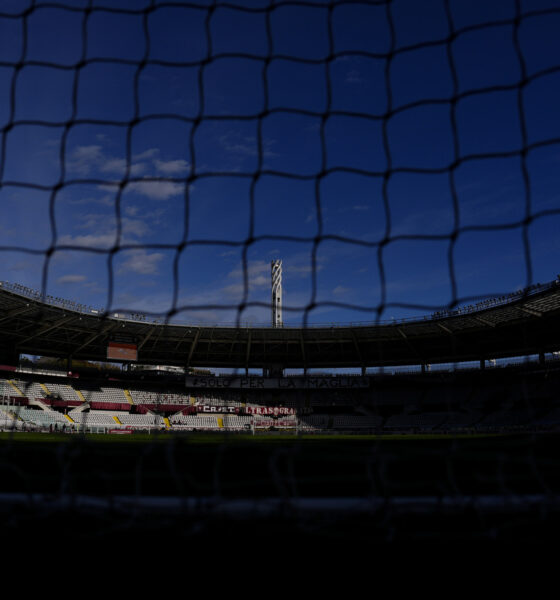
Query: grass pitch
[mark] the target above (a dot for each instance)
(74, 485)
(268, 465)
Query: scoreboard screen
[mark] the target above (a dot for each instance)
(122, 351)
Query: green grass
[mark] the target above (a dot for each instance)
(220, 438)
(245, 467)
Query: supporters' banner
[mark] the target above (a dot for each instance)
(248, 410)
(216, 409)
(269, 410)
(308, 383)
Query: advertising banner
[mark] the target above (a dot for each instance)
(120, 351)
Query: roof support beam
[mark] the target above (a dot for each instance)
(15, 312)
(248, 352)
(444, 328)
(146, 338)
(303, 355)
(93, 337)
(193, 346)
(358, 351)
(47, 328)
(529, 311)
(409, 344)
(484, 321)
(183, 338)
(234, 341)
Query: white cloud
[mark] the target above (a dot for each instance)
(340, 290)
(237, 289)
(302, 270)
(131, 211)
(234, 290)
(297, 265)
(102, 241)
(134, 227)
(241, 145)
(255, 271)
(118, 165)
(228, 253)
(102, 231)
(108, 187)
(238, 145)
(260, 281)
(171, 167)
(146, 155)
(156, 190)
(141, 262)
(83, 158)
(228, 296)
(92, 221)
(107, 200)
(71, 279)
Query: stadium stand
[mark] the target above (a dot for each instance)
(499, 398)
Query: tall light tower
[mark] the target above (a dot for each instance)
(276, 274)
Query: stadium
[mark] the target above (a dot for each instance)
(274, 268)
(521, 326)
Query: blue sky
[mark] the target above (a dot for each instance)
(215, 98)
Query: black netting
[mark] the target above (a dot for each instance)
(256, 104)
(109, 108)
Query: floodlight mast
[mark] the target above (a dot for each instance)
(276, 276)
(275, 370)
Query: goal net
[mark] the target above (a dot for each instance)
(399, 158)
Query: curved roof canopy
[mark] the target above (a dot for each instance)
(528, 323)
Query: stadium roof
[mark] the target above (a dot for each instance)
(522, 324)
